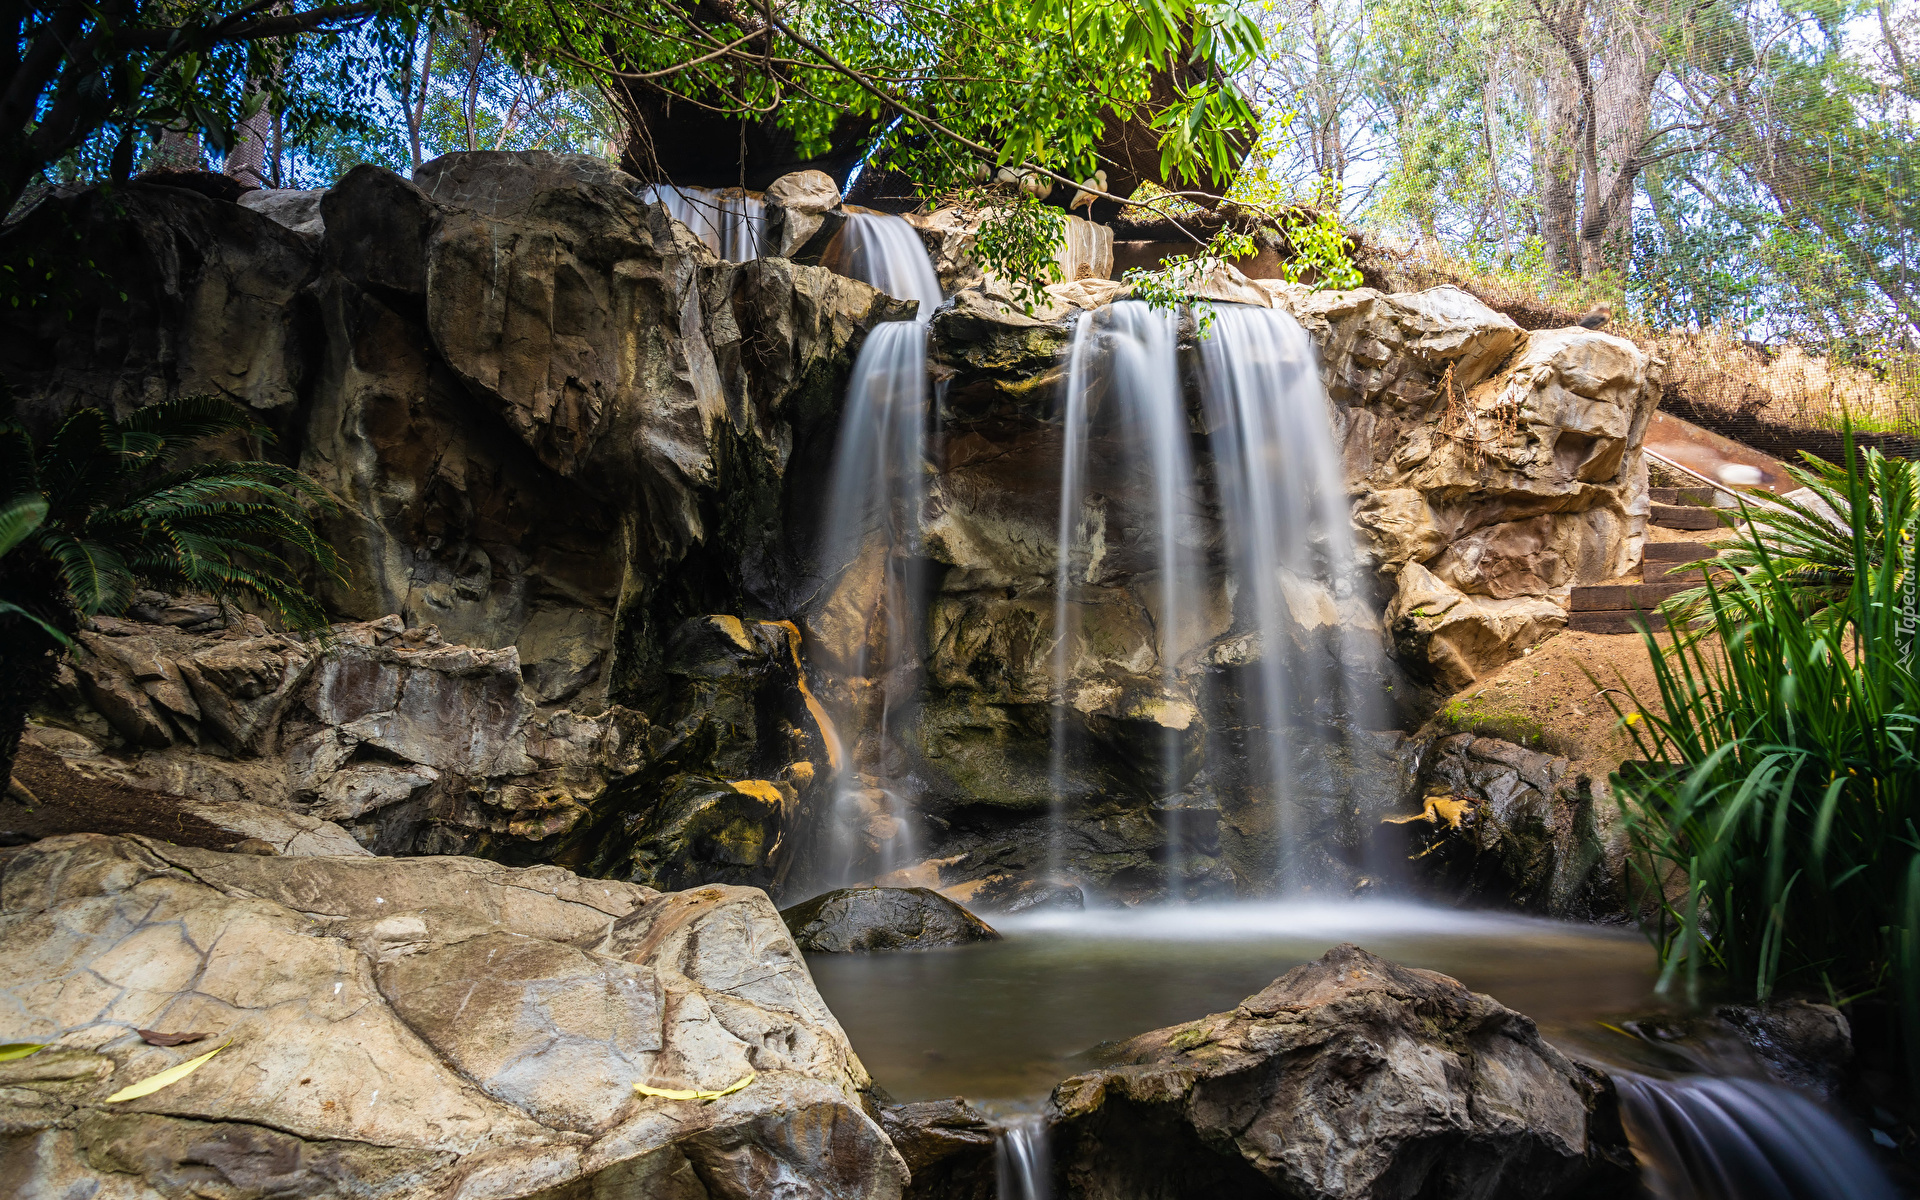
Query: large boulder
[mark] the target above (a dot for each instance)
(865, 919)
(1350, 1078)
(415, 745)
(412, 1028)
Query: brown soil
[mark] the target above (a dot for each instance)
(49, 798)
(1547, 700)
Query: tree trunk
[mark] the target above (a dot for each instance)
(247, 161)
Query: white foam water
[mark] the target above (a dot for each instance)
(876, 495)
(730, 222)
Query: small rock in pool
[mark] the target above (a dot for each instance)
(1022, 895)
(867, 919)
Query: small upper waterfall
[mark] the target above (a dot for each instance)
(869, 550)
(1710, 1138)
(1286, 658)
(887, 252)
(729, 221)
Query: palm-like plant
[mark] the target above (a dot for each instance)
(1809, 542)
(1787, 741)
(105, 507)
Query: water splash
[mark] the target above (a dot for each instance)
(870, 548)
(730, 222)
(1023, 1168)
(1707, 1138)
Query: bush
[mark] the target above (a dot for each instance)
(1785, 769)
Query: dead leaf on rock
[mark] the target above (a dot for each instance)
(12, 1050)
(172, 1075)
(679, 1094)
(153, 1037)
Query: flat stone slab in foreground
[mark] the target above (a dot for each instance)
(412, 1028)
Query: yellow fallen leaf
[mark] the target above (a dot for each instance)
(153, 1083)
(677, 1094)
(12, 1050)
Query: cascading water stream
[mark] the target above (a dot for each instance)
(1283, 503)
(1130, 495)
(869, 547)
(1709, 1138)
(729, 222)
(1022, 1167)
(1133, 348)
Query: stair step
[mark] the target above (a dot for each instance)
(1600, 597)
(1614, 620)
(1680, 516)
(1681, 495)
(1678, 551)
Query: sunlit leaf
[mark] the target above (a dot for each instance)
(12, 1050)
(679, 1094)
(166, 1078)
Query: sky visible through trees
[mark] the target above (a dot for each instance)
(1745, 165)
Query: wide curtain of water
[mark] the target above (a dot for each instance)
(729, 222)
(869, 552)
(1299, 668)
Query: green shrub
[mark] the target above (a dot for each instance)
(1784, 779)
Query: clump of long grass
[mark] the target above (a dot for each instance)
(1783, 782)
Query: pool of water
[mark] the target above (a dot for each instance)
(1001, 1022)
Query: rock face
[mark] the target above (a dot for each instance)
(868, 919)
(1347, 1078)
(415, 1028)
(417, 746)
(1493, 469)
(1494, 823)
(559, 423)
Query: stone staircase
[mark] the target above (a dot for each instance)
(1622, 605)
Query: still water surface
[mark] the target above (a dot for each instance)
(1000, 1023)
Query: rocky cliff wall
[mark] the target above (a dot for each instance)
(584, 459)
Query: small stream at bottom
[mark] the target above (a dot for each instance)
(1001, 1022)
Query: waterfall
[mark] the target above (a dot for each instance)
(886, 251)
(730, 222)
(1709, 1138)
(1131, 498)
(870, 551)
(1129, 352)
(1022, 1168)
(1283, 503)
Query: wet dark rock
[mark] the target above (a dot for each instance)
(866, 919)
(1021, 895)
(1803, 1045)
(947, 1144)
(1491, 822)
(1346, 1078)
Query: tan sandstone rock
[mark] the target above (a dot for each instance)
(439, 1027)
